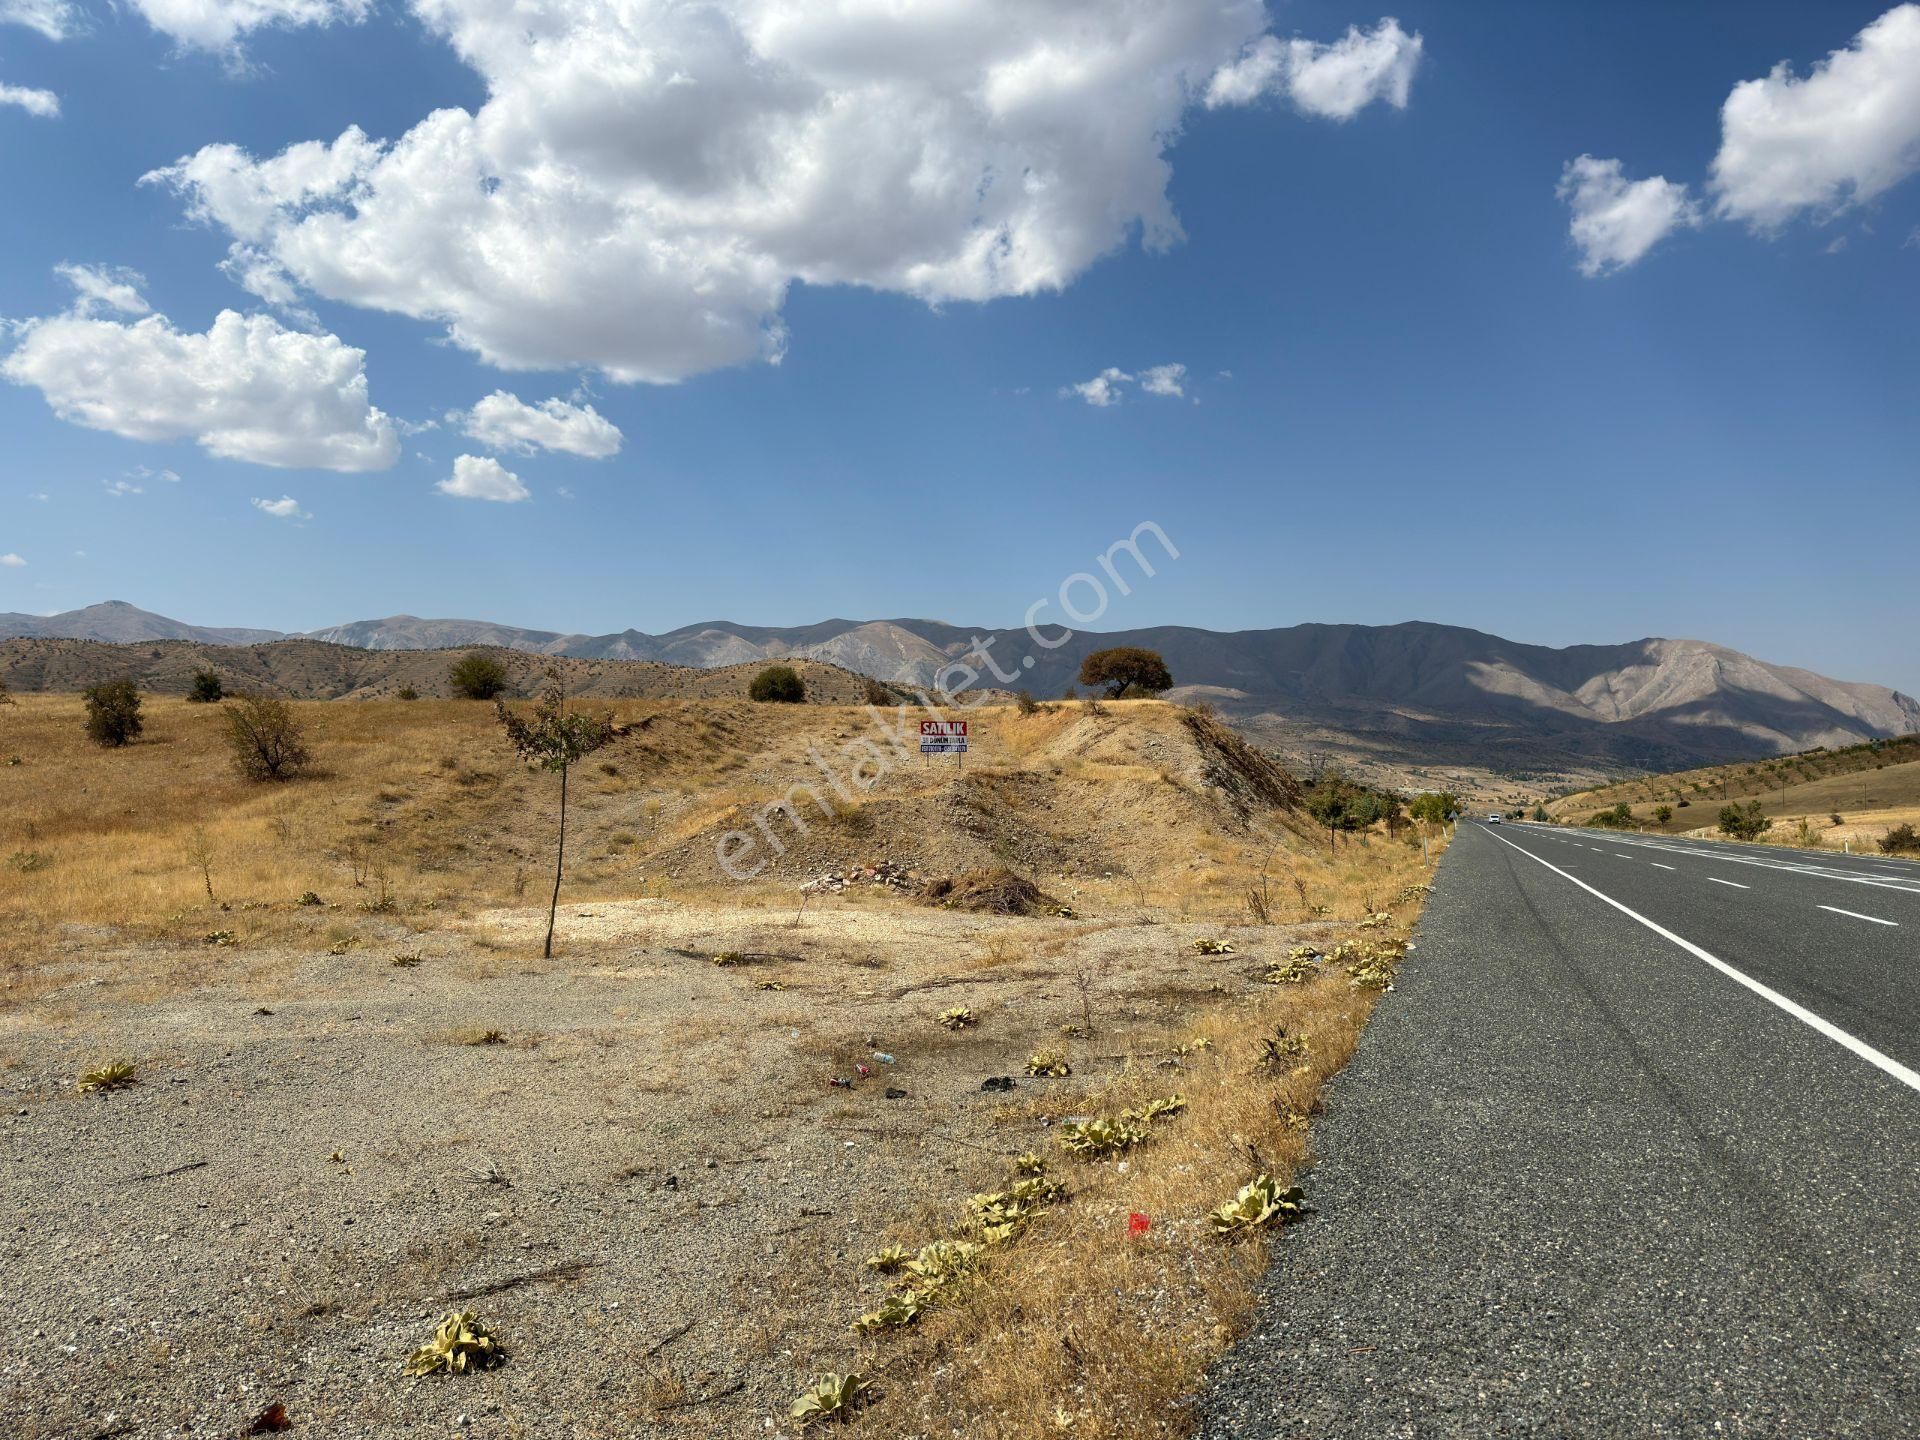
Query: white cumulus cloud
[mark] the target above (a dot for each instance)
(1846, 133)
(1335, 82)
(219, 24)
(504, 421)
(1167, 380)
(647, 179)
(1109, 386)
(12, 561)
(43, 103)
(478, 477)
(108, 286)
(55, 19)
(1617, 220)
(247, 389)
(285, 508)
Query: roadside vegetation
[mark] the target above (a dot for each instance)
(1852, 797)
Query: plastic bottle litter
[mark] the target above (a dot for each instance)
(883, 1057)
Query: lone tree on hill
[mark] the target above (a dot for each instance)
(553, 738)
(1127, 671)
(1744, 824)
(206, 688)
(780, 684)
(268, 742)
(477, 677)
(113, 713)
(1663, 813)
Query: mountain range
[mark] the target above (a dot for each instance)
(1407, 693)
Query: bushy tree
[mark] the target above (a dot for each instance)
(1434, 807)
(113, 713)
(268, 742)
(1339, 804)
(206, 688)
(477, 677)
(1541, 816)
(1126, 670)
(1663, 813)
(554, 738)
(1744, 823)
(778, 684)
(1901, 840)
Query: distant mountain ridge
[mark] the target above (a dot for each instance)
(1414, 689)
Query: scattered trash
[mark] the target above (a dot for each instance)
(997, 1082)
(883, 1057)
(460, 1343)
(1138, 1224)
(894, 1092)
(886, 875)
(274, 1418)
(840, 1082)
(863, 1072)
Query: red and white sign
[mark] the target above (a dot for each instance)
(943, 729)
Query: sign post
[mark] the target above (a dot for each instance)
(945, 737)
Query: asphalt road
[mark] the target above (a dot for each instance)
(1633, 1150)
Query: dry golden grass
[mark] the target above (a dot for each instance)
(1080, 1327)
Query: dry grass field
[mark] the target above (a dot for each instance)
(1871, 788)
(360, 1099)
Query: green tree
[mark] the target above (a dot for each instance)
(1434, 807)
(1663, 813)
(1747, 823)
(268, 742)
(778, 684)
(477, 677)
(1541, 816)
(1126, 670)
(206, 688)
(113, 713)
(1339, 804)
(554, 738)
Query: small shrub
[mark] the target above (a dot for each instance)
(219, 937)
(1901, 840)
(1025, 703)
(477, 677)
(1260, 1202)
(1048, 1063)
(407, 692)
(113, 713)
(114, 1075)
(205, 689)
(309, 897)
(1663, 813)
(460, 1343)
(778, 684)
(268, 743)
(830, 1397)
(958, 1018)
(28, 861)
(872, 692)
(1747, 823)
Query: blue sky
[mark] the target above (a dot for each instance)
(1436, 367)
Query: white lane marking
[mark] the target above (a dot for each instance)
(1728, 855)
(1623, 857)
(1734, 883)
(1773, 997)
(1856, 915)
(1658, 866)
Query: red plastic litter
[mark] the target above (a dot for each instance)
(1138, 1224)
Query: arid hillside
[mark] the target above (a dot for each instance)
(317, 670)
(656, 1165)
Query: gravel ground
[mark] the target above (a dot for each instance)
(295, 1190)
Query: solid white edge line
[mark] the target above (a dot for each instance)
(1856, 915)
(1734, 883)
(1799, 1012)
